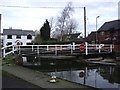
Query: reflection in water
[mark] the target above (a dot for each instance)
(78, 72)
(100, 77)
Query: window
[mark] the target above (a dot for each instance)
(9, 43)
(68, 37)
(9, 36)
(102, 33)
(18, 36)
(29, 43)
(29, 36)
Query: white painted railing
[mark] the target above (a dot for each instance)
(13, 48)
(71, 47)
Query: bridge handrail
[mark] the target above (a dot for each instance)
(59, 47)
(7, 46)
(54, 45)
(44, 45)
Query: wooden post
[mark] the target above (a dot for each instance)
(73, 45)
(47, 48)
(61, 47)
(38, 50)
(86, 48)
(99, 48)
(71, 49)
(111, 47)
(96, 47)
(56, 50)
(32, 48)
(4, 52)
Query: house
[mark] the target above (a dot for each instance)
(91, 38)
(17, 36)
(73, 37)
(109, 33)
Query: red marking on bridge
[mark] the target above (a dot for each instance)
(82, 47)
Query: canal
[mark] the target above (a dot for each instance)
(98, 76)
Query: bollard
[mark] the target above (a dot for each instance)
(86, 46)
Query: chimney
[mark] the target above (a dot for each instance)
(10, 27)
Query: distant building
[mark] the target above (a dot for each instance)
(91, 38)
(73, 37)
(109, 33)
(17, 36)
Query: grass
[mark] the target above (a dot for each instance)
(10, 59)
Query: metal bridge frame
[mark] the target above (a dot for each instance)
(72, 47)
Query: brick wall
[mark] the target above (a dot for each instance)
(117, 48)
(102, 37)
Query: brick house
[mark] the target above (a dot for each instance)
(109, 33)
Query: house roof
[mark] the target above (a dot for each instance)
(72, 36)
(91, 36)
(18, 32)
(110, 25)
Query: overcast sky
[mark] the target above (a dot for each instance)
(33, 17)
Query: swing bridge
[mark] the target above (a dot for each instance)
(57, 50)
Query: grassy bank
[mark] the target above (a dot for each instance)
(12, 59)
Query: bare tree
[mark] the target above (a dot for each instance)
(52, 25)
(64, 23)
(71, 26)
(63, 19)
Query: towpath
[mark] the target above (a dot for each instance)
(40, 79)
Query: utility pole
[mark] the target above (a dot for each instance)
(96, 29)
(84, 22)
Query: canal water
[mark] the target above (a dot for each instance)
(98, 76)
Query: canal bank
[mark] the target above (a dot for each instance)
(40, 79)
